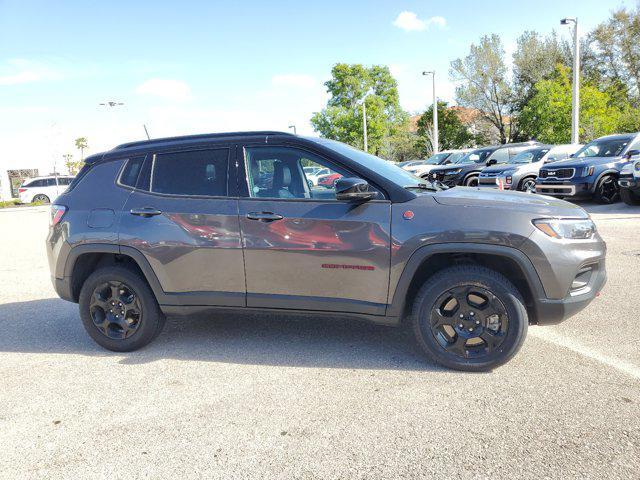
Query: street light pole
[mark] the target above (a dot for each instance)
(364, 123)
(435, 111)
(575, 99)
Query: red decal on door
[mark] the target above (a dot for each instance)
(348, 267)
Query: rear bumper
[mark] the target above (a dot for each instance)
(62, 286)
(551, 312)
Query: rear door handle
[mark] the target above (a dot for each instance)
(145, 212)
(264, 216)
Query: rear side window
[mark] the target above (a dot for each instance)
(129, 175)
(201, 172)
(64, 180)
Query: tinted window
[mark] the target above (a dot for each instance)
(530, 156)
(500, 156)
(202, 172)
(130, 173)
(64, 180)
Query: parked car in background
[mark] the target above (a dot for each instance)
(328, 181)
(446, 157)
(592, 172)
(43, 189)
(466, 170)
(522, 171)
(408, 163)
(313, 173)
(629, 181)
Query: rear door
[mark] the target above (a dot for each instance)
(303, 248)
(182, 215)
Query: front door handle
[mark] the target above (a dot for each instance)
(264, 216)
(145, 212)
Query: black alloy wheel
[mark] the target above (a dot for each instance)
(607, 190)
(115, 310)
(469, 321)
(469, 317)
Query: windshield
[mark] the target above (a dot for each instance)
(454, 157)
(437, 159)
(530, 156)
(606, 147)
(477, 156)
(389, 170)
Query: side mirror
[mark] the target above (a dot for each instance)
(491, 161)
(353, 190)
(572, 155)
(631, 153)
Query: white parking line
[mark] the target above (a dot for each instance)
(562, 341)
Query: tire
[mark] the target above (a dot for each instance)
(607, 190)
(629, 197)
(528, 184)
(471, 181)
(41, 198)
(480, 282)
(140, 329)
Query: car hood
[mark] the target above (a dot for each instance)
(501, 168)
(506, 200)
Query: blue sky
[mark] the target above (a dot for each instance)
(191, 67)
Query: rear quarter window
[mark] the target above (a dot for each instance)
(131, 171)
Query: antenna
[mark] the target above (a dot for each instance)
(146, 131)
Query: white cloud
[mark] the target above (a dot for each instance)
(293, 80)
(20, 71)
(409, 22)
(165, 88)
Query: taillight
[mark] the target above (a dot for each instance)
(22, 190)
(57, 212)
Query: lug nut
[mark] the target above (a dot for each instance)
(470, 329)
(472, 314)
(461, 316)
(477, 322)
(460, 326)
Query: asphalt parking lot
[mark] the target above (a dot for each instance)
(266, 397)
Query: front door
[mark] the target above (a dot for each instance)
(303, 248)
(182, 215)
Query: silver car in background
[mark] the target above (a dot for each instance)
(445, 157)
(523, 170)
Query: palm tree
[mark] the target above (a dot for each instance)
(81, 144)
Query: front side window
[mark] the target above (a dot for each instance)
(199, 173)
(530, 156)
(285, 172)
(64, 180)
(500, 156)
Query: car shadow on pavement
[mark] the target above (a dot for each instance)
(53, 326)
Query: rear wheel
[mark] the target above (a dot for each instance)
(119, 310)
(469, 318)
(629, 197)
(41, 198)
(607, 190)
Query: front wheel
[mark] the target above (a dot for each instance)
(41, 198)
(607, 190)
(469, 318)
(119, 310)
(528, 185)
(471, 181)
(629, 197)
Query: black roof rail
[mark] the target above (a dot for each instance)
(202, 136)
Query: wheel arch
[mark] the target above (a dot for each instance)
(84, 259)
(609, 171)
(528, 176)
(426, 261)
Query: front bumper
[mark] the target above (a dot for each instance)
(552, 312)
(563, 189)
(629, 181)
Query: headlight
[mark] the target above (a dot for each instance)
(453, 172)
(588, 171)
(566, 228)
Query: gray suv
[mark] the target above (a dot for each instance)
(191, 225)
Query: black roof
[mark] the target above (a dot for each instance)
(202, 136)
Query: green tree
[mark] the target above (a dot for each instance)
(547, 115)
(342, 118)
(81, 144)
(72, 167)
(483, 84)
(452, 133)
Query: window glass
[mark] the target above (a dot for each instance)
(130, 173)
(64, 180)
(50, 182)
(202, 172)
(529, 156)
(500, 156)
(607, 147)
(283, 172)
